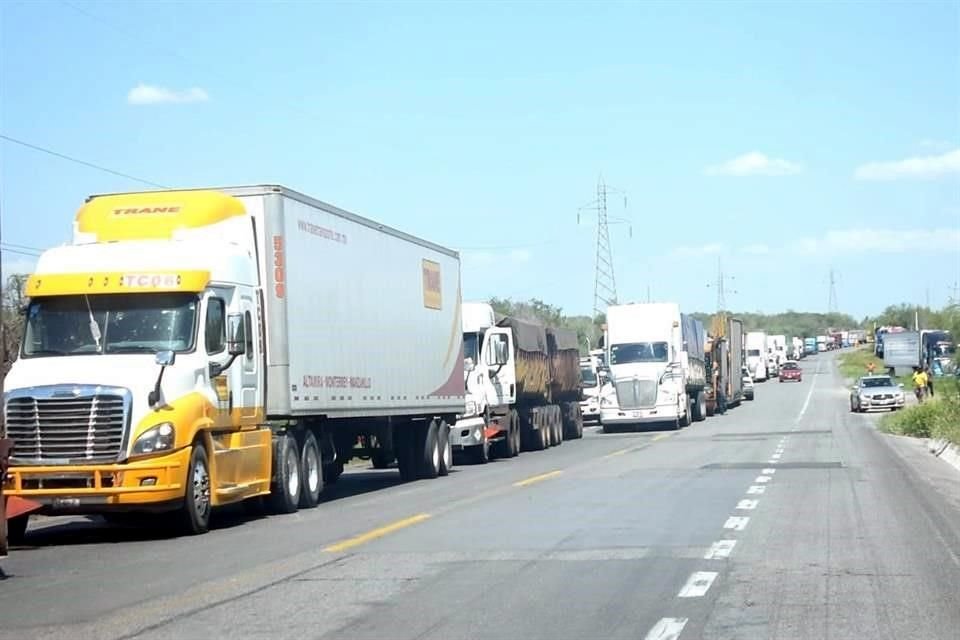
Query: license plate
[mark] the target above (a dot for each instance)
(636, 414)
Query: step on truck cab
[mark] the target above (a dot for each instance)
(655, 358)
(196, 348)
(522, 386)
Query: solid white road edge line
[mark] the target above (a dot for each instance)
(806, 403)
(667, 629)
(698, 584)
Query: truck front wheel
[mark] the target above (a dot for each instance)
(312, 472)
(194, 516)
(285, 492)
(446, 449)
(700, 407)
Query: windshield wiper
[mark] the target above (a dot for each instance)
(47, 352)
(133, 349)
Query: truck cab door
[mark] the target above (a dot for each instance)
(500, 363)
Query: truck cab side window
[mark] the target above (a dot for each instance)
(216, 332)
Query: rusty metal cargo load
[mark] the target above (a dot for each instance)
(565, 378)
(532, 360)
(736, 359)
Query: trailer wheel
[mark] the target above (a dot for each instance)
(17, 528)
(194, 515)
(312, 472)
(700, 407)
(572, 421)
(285, 492)
(446, 449)
(557, 416)
(428, 449)
(515, 425)
(404, 442)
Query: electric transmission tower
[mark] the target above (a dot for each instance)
(720, 319)
(832, 306)
(605, 282)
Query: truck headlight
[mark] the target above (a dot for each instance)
(471, 408)
(158, 438)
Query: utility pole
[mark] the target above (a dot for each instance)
(605, 282)
(954, 297)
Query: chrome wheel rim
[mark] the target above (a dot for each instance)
(201, 488)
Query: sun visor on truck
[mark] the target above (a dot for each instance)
(528, 336)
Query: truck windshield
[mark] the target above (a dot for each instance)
(471, 347)
(589, 376)
(126, 323)
(753, 352)
(638, 352)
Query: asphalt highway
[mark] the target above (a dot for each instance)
(788, 517)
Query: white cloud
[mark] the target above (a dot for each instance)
(851, 241)
(756, 249)
(149, 94)
(711, 249)
(922, 167)
(754, 164)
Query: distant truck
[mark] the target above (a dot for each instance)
(197, 348)
(810, 346)
(724, 363)
(523, 386)
(938, 350)
(656, 362)
(901, 351)
(591, 370)
(822, 343)
(756, 345)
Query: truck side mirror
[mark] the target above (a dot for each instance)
(236, 340)
(500, 353)
(165, 358)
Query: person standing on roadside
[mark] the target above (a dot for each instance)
(871, 367)
(919, 383)
(927, 372)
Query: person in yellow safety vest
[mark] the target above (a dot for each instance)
(919, 383)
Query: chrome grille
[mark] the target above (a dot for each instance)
(636, 393)
(68, 424)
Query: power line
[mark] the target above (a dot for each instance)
(21, 253)
(21, 246)
(62, 156)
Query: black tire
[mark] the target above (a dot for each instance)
(517, 439)
(311, 472)
(572, 421)
(428, 450)
(480, 453)
(446, 449)
(404, 442)
(194, 516)
(558, 425)
(17, 529)
(285, 492)
(381, 459)
(332, 472)
(699, 407)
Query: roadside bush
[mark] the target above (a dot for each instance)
(936, 418)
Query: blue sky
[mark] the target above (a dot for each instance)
(784, 139)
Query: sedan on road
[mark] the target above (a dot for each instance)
(791, 371)
(876, 392)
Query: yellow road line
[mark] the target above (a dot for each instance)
(619, 453)
(660, 437)
(539, 478)
(373, 534)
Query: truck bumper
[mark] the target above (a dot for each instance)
(155, 483)
(467, 432)
(661, 413)
(590, 411)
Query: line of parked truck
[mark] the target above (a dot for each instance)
(192, 349)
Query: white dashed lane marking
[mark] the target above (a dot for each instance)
(768, 472)
(720, 549)
(667, 629)
(737, 523)
(762, 479)
(747, 505)
(698, 584)
(756, 489)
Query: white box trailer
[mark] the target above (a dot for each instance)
(218, 345)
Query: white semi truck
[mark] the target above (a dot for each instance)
(522, 384)
(196, 348)
(756, 348)
(655, 359)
